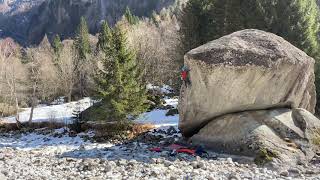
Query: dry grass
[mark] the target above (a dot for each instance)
(103, 131)
(7, 127)
(6, 110)
(138, 129)
(116, 130)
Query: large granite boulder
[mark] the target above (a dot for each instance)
(245, 71)
(288, 136)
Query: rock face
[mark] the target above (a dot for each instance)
(247, 70)
(281, 133)
(251, 93)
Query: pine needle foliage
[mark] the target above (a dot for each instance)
(120, 87)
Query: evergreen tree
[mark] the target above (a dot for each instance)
(216, 23)
(295, 20)
(190, 26)
(154, 18)
(57, 44)
(120, 88)
(233, 18)
(132, 19)
(57, 48)
(81, 42)
(83, 50)
(104, 38)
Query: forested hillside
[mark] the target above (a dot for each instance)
(28, 21)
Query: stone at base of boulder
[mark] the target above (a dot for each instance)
(269, 135)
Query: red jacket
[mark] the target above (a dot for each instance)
(184, 75)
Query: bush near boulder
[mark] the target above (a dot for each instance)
(95, 113)
(264, 156)
(172, 112)
(155, 100)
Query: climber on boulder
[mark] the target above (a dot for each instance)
(185, 75)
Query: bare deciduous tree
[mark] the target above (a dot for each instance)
(156, 44)
(67, 69)
(12, 78)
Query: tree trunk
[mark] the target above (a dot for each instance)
(31, 113)
(17, 113)
(33, 102)
(69, 96)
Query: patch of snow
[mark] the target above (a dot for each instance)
(52, 144)
(172, 101)
(56, 113)
(165, 89)
(158, 117)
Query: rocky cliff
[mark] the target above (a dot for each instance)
(28, 21)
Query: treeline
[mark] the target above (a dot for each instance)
(114, 66)
(297, 21)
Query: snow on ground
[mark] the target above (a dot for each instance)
(158, 117)
(164, 89)
(59, 113)
(55, 142)
(64, 113)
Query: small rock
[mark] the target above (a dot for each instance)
(284, 173)
(154, 173)
(122, 162)
(132, 162)
(174, 178)
(108, 168)
(310, 171)
(82, 147)
(3, 177)
(287, 140)
(294, 171)
(234, 177)
(167, 163)
(201, 164)
(194, 164)
(229, 160)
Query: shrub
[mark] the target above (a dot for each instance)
(264, 156)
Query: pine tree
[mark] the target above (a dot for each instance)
(190, 28)
(105, 37)
(233, 18)
(132, 19)
(120, 88)
(83, 50)
(216, 23)
(57, 48)
(81, 42)
(295, 20)
(57, 44)
(154, 18)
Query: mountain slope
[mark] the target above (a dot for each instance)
(28, 21)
